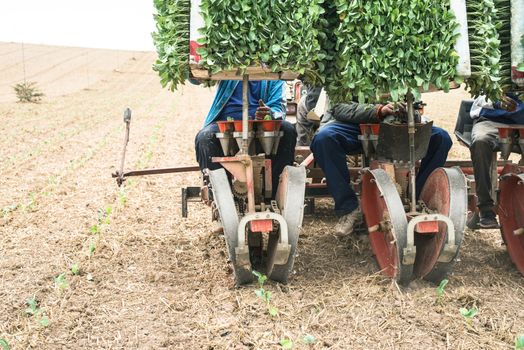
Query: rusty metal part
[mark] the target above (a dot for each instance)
(190, 194)
(444, 194)
(511, 213)
(229, 218)
(127, 120)
(183, 169)
(290, 199)
(239, 188)
(385, 216)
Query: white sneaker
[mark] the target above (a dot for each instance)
(347, 222)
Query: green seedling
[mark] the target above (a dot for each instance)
(61, 282)
(230, 119)
(440, 289)
(4, 344)
(9, 209)
(31, 204)
(95, 229)
(519, 342)
(122, 199)
(264, 294)
(286, 343)
(309, 339)
(92, 248)
(75, 269)
(268, 117)
(469, 314)
(33, 310)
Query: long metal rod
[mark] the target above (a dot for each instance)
(184, 169)
(245, 112)
(412, 166)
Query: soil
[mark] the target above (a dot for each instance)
(150, 279)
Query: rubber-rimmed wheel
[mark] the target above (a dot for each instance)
(445, 192)
(511, 213)
(229, 218)
(382, 207)
(292, 209)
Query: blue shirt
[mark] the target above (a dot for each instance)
(495, 113)
(273, 94)
(233, 108)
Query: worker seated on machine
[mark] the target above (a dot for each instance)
(338, 137)
(265, 98)
(510, 110)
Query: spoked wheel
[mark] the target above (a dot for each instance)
(229, 217)
(387, 223)
(290, 199)
(445, 192)
(511, 213)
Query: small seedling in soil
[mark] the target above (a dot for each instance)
(92, 248)
(519, 342)
(469, 314)
(4, 344)
(95, 229)
(9, 209)
(309, 339)
(75, 269)
(61, 281)
(440, 289)
(122, 199)
(28, 92)
(264, 294)
(33, 310)
(286, 343)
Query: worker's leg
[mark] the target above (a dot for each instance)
(285, 153)
(438, 149)
(484, 142)
(303, 126)
(208, 146)
(330, 147)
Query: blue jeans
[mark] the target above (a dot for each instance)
(208, 146)
(336, 140)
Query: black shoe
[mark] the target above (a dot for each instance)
(488, 219)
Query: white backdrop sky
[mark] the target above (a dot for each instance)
(110, 24)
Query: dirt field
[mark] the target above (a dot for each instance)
(149, 279)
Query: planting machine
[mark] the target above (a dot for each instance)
(410, 237)
(507, 182)
(261, 229)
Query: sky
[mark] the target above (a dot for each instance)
(108, 24)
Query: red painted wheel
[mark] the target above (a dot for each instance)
(385, 217)
(445, 192)
(511, 213)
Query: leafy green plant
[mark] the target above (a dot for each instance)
(8, 209)
(286, 343)
(309, 339)
(440, 289)
(172, 41)
(35, 311)
(75, 269)
(4, 344)
(61, 282)
(519, 342)
(264, 294)
(28, 92)
(390, 47)
(122, 198)
(469, 314)
(92, 248)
